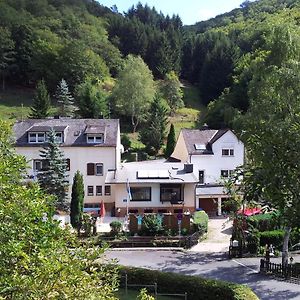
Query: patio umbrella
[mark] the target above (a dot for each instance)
(102, 210)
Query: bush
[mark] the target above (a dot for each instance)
(274, 237)
(125, 141)
(151, 226)
(253, 243)
(263, 222)
(197, 288)
(115, 227)
(200, 219)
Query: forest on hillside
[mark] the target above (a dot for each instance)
(94, 48)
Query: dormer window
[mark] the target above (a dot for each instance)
(94, 138)
(36, 137)
(58, 137)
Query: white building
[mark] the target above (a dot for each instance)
(215, 154)
(91, 146)
(155, 186)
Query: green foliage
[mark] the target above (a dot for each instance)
(151, 226)
(65, 100)
(116, 227)
(41, 102)
(200, 221)
(274, 237)
(125, 141)
(171, 142)
(143, 295)
(153, 132)
(195, 286)
(77, 198)
(53, 177)
(134, 90)
(39, 259)
(263, 222)
(92, 99)
(171, 90)
(253, 243)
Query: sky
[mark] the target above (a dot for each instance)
(190, 11)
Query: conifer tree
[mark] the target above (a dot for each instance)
(77, 198)
(154, 132)
(41, 102)
(171, 142)
(53, 176)
(65, 100)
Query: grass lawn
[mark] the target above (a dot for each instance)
(15, 103)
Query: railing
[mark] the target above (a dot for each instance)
(288, 271)
(154, 286)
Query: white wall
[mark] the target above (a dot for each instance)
(121, 193)
(79, 157)
(213, 164)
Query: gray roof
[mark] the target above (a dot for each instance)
(74, 130)
(129, 171)
(197, 136)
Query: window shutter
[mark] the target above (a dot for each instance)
(90, 169)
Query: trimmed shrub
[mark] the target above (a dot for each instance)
(263, 222)
(197, 288)
(274, 237)
(200, 219)
(116, 227)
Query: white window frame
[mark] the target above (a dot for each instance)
(35, 162)
(229, 173)
(88, 192)
(59, 137)
(33, 137)
(100, 193)
(230, 151)
(94, 138)
(96, 171)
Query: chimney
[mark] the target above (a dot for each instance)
(204, 127)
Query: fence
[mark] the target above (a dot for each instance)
(154, 286)
(288, 271)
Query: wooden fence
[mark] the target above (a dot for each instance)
(288, 271)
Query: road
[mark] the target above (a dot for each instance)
(211, 265)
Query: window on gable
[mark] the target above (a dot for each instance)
(227, 152)
(226, 173)
(201, 176)
(58, 137)
(94, 169)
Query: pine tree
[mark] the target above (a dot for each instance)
(65, 100)
(171, 142)
(41, 102)
(53, 176)
(77, 197)
(154, 132)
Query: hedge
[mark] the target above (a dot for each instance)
(200, 219)
(197, 288)
(274, 237)
(264, 222)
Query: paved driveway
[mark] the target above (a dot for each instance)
(216, 266)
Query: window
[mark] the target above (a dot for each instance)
(68, 162)
(227, 152)
(94, 139)
(148, 211)
(58, 137)
(140, 193)
(36, 137)
(37, 165)
(94, 169)
(90, 190)
(98, 190)
(201, 176)
(170, 192)
(99, 169)
(226, 173)
(107, 190)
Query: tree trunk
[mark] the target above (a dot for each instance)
(285, 247)
(134, 123)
